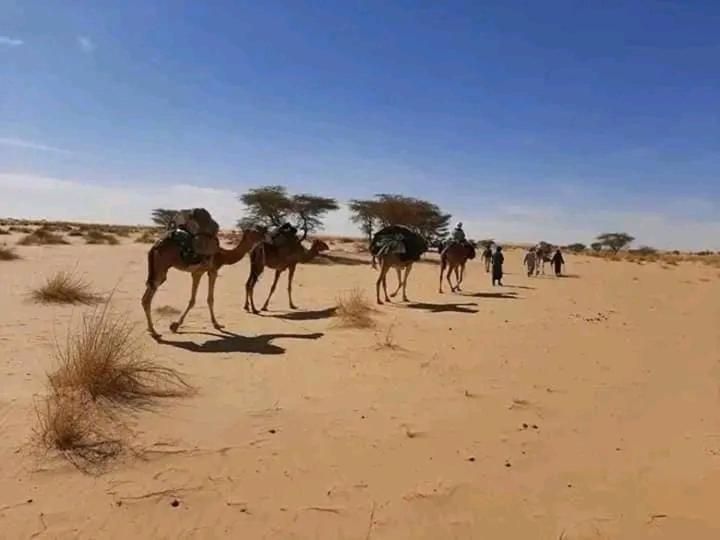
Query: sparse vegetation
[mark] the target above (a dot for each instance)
(354, 310)
(167, 311)
(387, 339)
(148, 236)
(96, 236)
(615, 241)
(100, 366)
(17, 229)
(8, 253)
(4, 232)
(75, 232)
(104, 359)
(42, 237)
(65, 287)
(576, 248)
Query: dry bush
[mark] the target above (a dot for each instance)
(18, 229)
(42, 237)
(147, 237)
(96, 236)
(7, 253)
(69, 423)
(167, 311)
(387, 340)
(104, 359)
(354, 310)
(4, 231)
(65, 287)
(75, 232)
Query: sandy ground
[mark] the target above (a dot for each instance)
(584, 407)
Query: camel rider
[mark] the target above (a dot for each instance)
(458, 234)
(284, 234)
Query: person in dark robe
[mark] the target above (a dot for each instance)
(558, 262)
(497, 266)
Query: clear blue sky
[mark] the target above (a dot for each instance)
(550, 119)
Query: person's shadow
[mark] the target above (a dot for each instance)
(443, 308)
(228, 342)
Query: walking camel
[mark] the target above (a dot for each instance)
(166, 254)
(396, 247)
(543, 252)
(453, 259)
(279, 258)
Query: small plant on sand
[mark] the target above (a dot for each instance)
(4, 232)
(95, 236)
(103, 358)
(386, 340)
(354, 310)
(65, 287)
(42, 237)
(7, 253)
(70, 424)
(167, 311)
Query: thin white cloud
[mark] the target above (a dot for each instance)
(38, 197)
(7, 41)
(31, 145)
(86, 44)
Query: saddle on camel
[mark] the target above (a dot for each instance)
(196, 234)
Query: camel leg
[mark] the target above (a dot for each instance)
(193, 294)
(404, 284)
(212, 278)
(250, 292)
(291, 274)
(381, 281)
(442, 271)
(460, 274)
(151, 288)
(399, 277)
(272, 290)
(449, 273)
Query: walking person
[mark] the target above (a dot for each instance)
(558, 263)
(487, 257)
(530, 261)
(497, 266)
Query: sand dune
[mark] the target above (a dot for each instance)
(576, 408)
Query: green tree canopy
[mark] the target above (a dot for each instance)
(615, 241)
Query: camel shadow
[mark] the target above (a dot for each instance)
(339, 259)
(569, 276)
(519, 287)
(228, 342)
(503, 295)
(443, 308)
(307, 315)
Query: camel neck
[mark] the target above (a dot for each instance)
(231, 256)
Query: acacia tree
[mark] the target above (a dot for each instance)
(163, 216)
(309, 211)
(422, 216)
(365, 215)
(596, 246)
(576, 248)
(615, 241)
(273, 206)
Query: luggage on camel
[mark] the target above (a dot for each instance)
(400, 241)
(284, 235)
(196, 232)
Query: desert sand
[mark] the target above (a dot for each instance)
(584, 407)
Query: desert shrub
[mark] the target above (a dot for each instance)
(576, 248)
(104, 359)
(75, 232)
(42, 237)
(18, 229)
(8, 253)
(65, 287)
(4, 232)
(96, 236)
(167, 311)
(354, 311)
(147, 237)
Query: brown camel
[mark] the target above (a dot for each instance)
(166, 254)
(279, 259)
(399, 263)
(454, 259)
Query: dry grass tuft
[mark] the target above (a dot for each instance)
(42, 237)
(167, 311)
(70, 424)
(104, 359)
(4, 232)
(95, 236)
(147, 237)
(65, 287)
(7, 253)
(24, 230)
(387, 340)
(354, 310)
